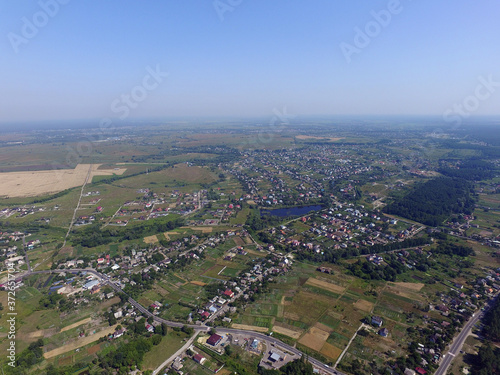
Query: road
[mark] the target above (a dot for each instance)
(197, 328)
(176, 354)
(458, 342)
(348, 344)
(280, 345)
(77, 205)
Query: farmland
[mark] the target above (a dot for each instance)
(33, 183)
(179, 227)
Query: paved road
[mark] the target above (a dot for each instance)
(197, 328)
(458, 342)
(271, 340)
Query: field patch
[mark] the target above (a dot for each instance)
(33, 183)
(323, 327)
(202, 229)
(74, 325)
(293, 333)
(412, 286)
(361, 304)
(249, 328)
(330, 351)
(199, 283)
(214, 271)
(79, 343)
(94, 349)
(325, 285)
(314, 339)
(151, 239)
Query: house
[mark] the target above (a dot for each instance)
(409, 372)
(420, 370)
(198, 358)
(229, 293)
(118, 333)
(377, 321)
(214, 340)
(205, 314)
(150, 328)
(177, 365)
(384, 332)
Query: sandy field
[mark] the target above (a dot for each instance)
(74, 325)
(33, 183)
(314, 339)
(151, 239)
(249, 328)
(79, 343)
(325, 285)
(363, 305)
(288, 332)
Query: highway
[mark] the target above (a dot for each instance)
(458, 342)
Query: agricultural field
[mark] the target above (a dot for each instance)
(33, 183)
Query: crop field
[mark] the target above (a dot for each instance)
(315, 338)
(325, 285)
(33, 183)
(249, 327)
(287, 330)
(79, 342)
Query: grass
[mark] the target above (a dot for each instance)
(159, 353)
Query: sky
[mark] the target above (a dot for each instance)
(124, 59)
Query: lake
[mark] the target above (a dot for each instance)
(291, 211)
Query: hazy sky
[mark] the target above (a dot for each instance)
(67, 59)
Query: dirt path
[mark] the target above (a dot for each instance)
(74, 325)
(77, 205)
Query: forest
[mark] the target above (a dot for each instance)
(432, 202)
(471, 170)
